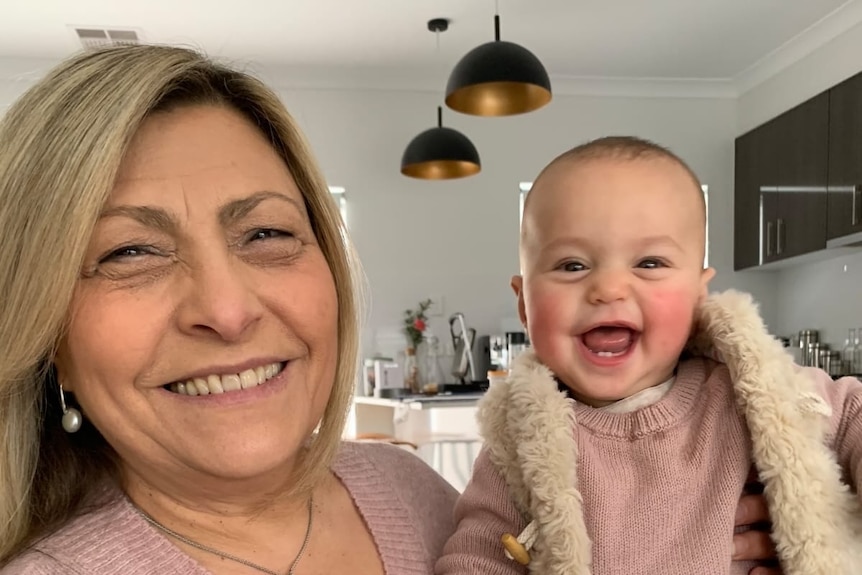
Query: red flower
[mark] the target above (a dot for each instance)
(419, 324)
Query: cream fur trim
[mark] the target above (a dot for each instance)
(815, 517)
(527, 423)
(531, 422)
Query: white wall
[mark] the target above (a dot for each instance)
(458, 239)
(825, 295)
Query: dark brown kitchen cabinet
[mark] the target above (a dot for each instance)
(756, 163)
(804, 164)
(845, 158)
(746, 222)
(780, 200)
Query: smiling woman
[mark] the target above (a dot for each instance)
(178, 338)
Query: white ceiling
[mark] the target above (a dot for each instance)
(681, 39)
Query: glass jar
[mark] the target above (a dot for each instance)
(432, 379)
(411, 371)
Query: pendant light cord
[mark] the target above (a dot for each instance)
(439, 58)
(496, 20)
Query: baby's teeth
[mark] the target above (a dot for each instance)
(231, 383)
(248, 378)
(214, 383)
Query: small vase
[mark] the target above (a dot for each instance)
(411, 371)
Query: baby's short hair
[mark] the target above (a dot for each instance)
(626, 148)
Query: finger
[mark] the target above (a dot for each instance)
(753, 546)
(751, 509)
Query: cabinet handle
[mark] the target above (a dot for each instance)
(779, 235)
(854, 210)
(768, 239)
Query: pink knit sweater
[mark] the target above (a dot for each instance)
(660, 485)
(406, 505)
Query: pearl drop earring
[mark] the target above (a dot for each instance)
(72, 418)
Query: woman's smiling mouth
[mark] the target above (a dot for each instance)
(217, 384)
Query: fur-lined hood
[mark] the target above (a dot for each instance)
(527, 426)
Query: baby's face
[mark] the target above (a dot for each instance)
(612, 261)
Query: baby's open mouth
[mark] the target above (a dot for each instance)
(216, 384)
(609, 340)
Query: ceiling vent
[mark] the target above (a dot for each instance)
(95, 38)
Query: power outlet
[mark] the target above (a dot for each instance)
(437, 308)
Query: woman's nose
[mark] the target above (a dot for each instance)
(220, 299)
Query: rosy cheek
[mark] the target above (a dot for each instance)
(546, 321)
(669, 313)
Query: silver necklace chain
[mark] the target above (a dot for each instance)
(234, 558)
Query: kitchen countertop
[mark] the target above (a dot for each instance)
(424, 401)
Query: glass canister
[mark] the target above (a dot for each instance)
(807, 337)
(516, 343)
(832, 363)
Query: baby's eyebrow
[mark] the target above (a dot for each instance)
(660, 240)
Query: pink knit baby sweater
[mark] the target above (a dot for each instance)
(406, 505)
(660, 485)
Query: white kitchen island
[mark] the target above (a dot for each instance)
(442, 428)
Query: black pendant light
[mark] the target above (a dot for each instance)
(498, 79)
(440, 154)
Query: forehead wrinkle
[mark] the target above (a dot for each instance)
(148, 216)
(240, 208)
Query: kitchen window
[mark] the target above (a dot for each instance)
(341, 199)
(524, 188)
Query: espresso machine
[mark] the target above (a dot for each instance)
(472, 356)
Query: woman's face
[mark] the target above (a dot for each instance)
(203, 336)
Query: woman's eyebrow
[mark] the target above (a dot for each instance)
(238, 209)
(149, 216)
(164, 221)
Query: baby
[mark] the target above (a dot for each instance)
(621, 442)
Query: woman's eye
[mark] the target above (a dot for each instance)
(268, 233)
(651, 264)
(127, 252)
(573, 267)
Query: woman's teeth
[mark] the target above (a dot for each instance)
(216, 384)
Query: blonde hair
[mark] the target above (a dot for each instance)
(61, 145)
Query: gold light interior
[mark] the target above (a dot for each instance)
(441, 169)
(498, 98)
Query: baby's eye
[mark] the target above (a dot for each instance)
(573, 267)
(651, 263)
